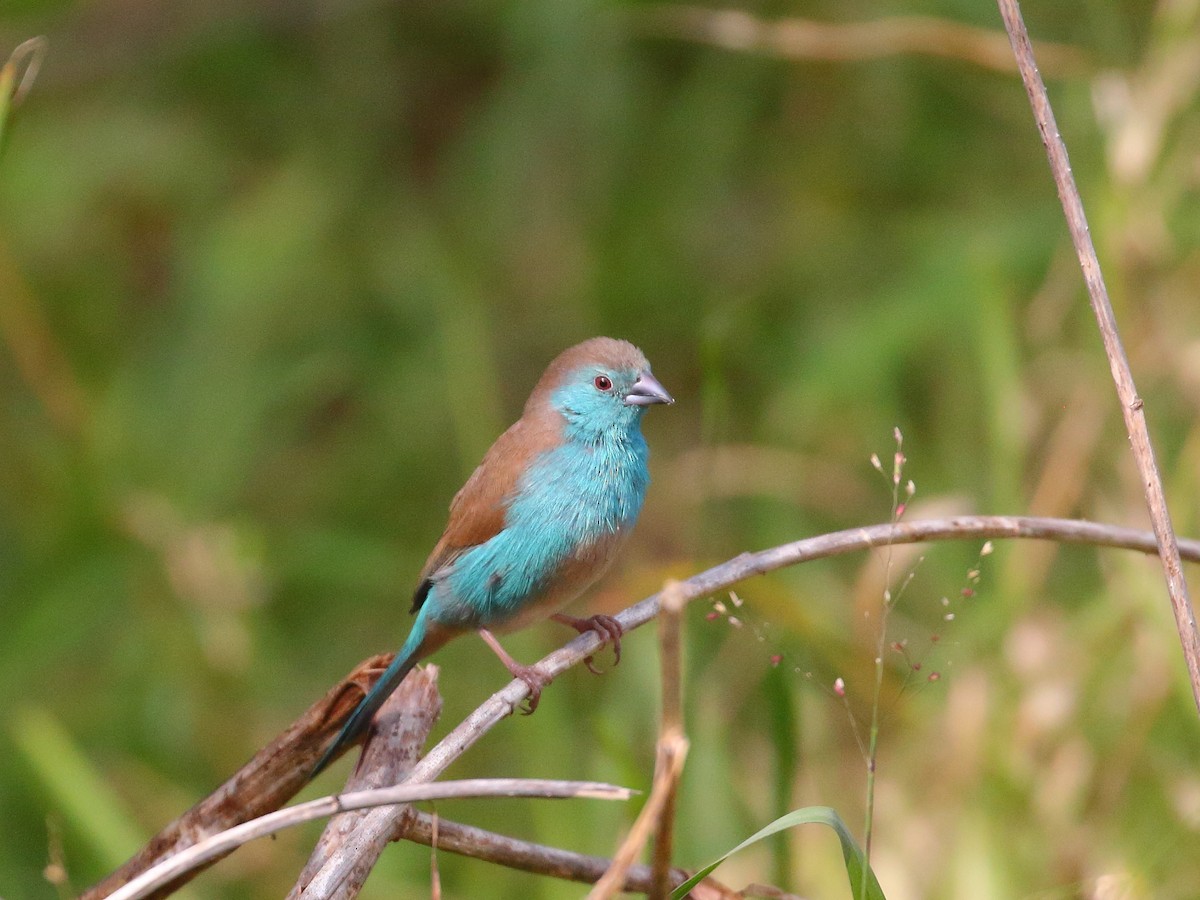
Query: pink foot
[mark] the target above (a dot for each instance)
(607, 627)
(533, 677)
(534, 680)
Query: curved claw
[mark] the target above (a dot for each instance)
(533, 677)
(608, 628)
(535, 681)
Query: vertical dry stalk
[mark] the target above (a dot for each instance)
(401, 729)
(1131, 403)
(672, 742)
(435, 875)
(658, 815)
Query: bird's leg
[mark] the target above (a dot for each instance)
(609, 629)
(534, 679)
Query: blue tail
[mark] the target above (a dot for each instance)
(413, 650)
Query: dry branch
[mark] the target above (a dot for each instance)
(804, 39)
(539, 859)
(277, 772)
(1132, 407)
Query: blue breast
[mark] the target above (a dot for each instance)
(572, 497)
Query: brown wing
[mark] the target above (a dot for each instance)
(477, 512)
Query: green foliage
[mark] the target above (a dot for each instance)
(862, 879)
(273, 276)
(77, 789)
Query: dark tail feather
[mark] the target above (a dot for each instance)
(360, 719)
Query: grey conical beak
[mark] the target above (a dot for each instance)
(647, 390)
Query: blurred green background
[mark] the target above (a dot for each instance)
(273, 275)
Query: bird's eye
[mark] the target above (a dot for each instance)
(603, 383)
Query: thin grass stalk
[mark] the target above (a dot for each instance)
(670, 657)
(881, 640)
(1132, 406)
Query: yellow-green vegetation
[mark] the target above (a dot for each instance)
(273, 276)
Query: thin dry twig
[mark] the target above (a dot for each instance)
(804, 39)
(503, 702)
(435, 874)
(668, 767)
(672, 739)
(467, 840)
(1132, 407)
(221, 844)
(670, 650)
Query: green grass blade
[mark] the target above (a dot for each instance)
(856, 864)
(79, 793)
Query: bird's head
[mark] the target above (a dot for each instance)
(599, 385)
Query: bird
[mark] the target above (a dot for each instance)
(539, 520)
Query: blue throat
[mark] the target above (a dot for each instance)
(587, 489)
(573, 496)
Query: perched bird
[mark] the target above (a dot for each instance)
(539, 520)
